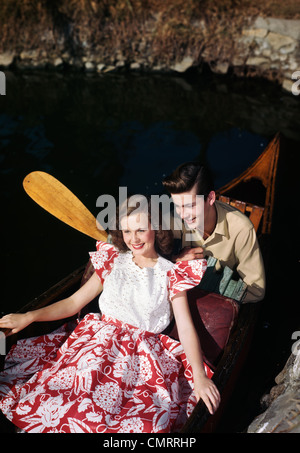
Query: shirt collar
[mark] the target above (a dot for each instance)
(222, 225)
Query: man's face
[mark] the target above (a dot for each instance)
(191, 208)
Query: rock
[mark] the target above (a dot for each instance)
(278, 41)
(29, 54)
(283, 416)
(135, 66)
(89, 66)
(255, 32)
(282, 26)
(220, 67)
(109, 68)
(6, 59)
(100, 67)
(283, 413)
(183, 65)
(257, 61)
(238, 61)
(120, 64)
(58, 62)
(293, 64)
(267, 53)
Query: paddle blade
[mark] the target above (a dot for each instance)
(59, 201)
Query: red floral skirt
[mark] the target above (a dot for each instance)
(104, 377)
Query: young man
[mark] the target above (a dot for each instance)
(217, 229)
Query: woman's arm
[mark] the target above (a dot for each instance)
(204, 387)
(59, 310)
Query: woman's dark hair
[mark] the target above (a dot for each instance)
(186, 176)
(163, 238)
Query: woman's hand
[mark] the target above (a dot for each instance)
(64, 308)
(206, 390)
(204, 387)
(15, 322)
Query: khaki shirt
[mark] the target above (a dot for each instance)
(234, 244)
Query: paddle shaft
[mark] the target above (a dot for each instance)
(59, 201)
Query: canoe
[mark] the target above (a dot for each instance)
(253, 193)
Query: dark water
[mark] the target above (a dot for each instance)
(98, 133)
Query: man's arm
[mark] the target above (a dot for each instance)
(189, 253)
(250, 265)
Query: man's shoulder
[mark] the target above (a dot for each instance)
(233, 216)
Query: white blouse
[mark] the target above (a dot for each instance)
(141, 296)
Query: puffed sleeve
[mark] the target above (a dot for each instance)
(185, 275)
(103, 259)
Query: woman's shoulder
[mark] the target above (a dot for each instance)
(100, 245)
(105, 254)
(164, 263)
(103, 259)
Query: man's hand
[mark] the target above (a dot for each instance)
(190, 253)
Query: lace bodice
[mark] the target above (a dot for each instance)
(137, 296)
(141, 296)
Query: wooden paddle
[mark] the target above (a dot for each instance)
(57, 199)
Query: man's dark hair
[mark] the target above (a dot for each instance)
(186, 176)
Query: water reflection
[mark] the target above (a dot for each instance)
(147, 153)
(231, 152)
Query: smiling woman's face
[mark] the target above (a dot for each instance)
(137, 234)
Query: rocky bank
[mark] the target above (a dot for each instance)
(271, 47)
(263, 47)
(283, 402)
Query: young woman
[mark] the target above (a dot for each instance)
(118, 371)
